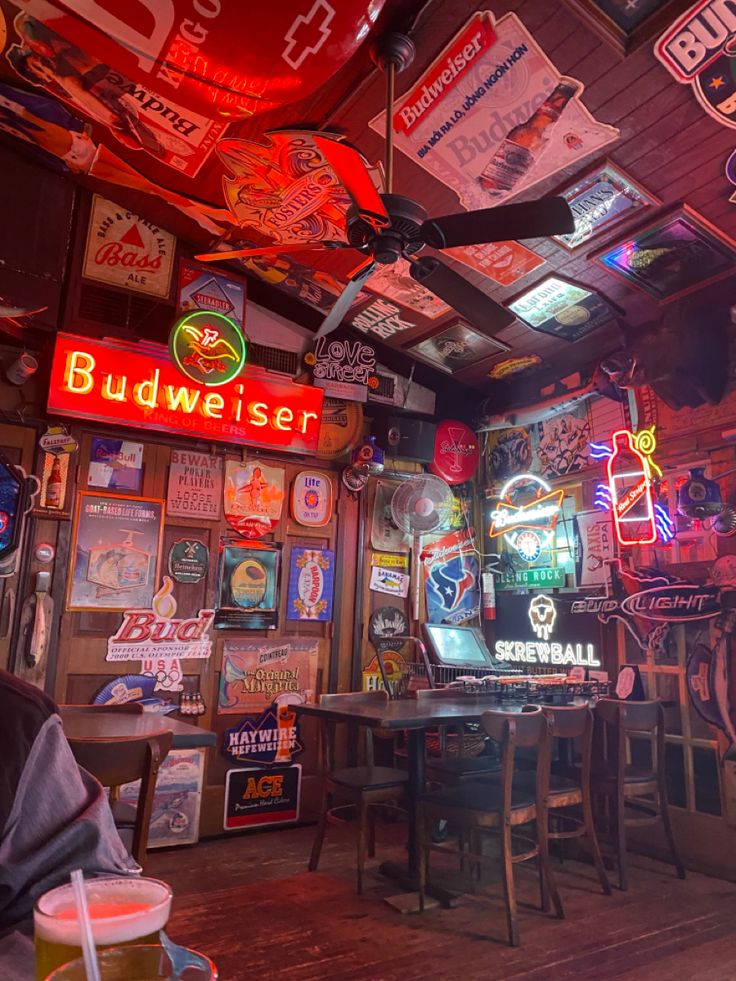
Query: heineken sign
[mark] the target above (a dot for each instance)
(531, 579)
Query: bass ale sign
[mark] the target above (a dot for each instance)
(136, 384)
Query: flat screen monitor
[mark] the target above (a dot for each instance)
(457, 647)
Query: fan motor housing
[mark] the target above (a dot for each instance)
(401, 237)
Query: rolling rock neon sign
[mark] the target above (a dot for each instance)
(528, 528)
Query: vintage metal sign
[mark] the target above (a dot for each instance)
(254, 497)
(137, 385)
(698, 50)
(535, 578)
(343, 368)
(461, 119)
(160, 641)
(272, 737)
(202, 288)
(127, 251)
(188, 560)
(503, 262)
(195, 485)
(381, 318)
(311, 584)
(260, 796)
(256, 673)
(311, 499)
(456, 452)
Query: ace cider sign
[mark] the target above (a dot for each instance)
(137, 385)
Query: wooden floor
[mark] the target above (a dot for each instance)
(249, 903)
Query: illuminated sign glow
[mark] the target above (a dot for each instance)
(628, 491)
(547, 622)
(136, 384)
(207, 347)
(528, 527)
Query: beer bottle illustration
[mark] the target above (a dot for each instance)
(520, 148)
(630, 483)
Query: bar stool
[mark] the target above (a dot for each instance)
(623, 785)
(572, 787)
(362, 786)
(498, 807)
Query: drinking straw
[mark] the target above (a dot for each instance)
(91, 967)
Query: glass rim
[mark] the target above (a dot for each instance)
(79, 961)
(167, 897)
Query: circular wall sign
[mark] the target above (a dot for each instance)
(456, 452)
(207, 347)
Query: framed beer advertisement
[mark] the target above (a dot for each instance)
(115, 552)
(600, 200)
(627, 24)
(455, 347)
(248, 588)
(677, 254)
(563, 309)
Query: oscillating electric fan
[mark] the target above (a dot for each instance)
(419, 506)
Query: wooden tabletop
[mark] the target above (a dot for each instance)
(80, 724)
(410, 713)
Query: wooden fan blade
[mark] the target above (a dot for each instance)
(272, 250)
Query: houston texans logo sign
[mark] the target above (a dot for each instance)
(450, 582)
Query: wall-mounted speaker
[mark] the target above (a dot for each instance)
(405, 438)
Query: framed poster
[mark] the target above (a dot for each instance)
(455, 347)
(677, 254)
(503, 262)
(627, 24)
(203, 288)
(127, 251)
(176, 801)
(115, 552)
(600, 200)
(563, 309)
(311, 584)
(115, 464)
(248, 589)
(394, 283)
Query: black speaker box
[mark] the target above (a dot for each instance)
(405, 438)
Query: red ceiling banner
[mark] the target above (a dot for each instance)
(137, 385)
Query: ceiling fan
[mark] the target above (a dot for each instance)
(387, 227)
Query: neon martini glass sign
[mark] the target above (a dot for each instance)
(207, 347)
(527, 527)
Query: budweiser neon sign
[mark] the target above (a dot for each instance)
(527, 527)
(137, 385)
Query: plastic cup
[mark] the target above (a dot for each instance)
(145, 963)
(122, 910)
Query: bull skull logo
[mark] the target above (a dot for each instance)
(542, 614)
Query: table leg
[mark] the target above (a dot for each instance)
(407, 876)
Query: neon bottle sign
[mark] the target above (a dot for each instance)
(628, 491)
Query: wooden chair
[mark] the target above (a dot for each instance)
(454, 769)
(362, 786)
(498, 807)
(572, 788)
(624, 785)
(115, 762)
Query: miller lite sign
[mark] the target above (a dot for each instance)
(127, 251)
(699, 50)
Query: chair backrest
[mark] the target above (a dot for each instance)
(624, 719)
(530, 729)
(344, 700)
(423, 694)
(117, 761)
(126, 708)
(569, 721)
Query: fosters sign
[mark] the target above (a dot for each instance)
(137, 385)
